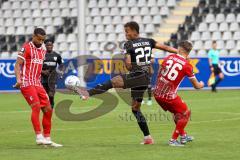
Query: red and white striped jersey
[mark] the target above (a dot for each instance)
(174, 68)
(32, 67)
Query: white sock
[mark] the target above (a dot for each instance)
(39, 136)
(146, 137)
(48, 138)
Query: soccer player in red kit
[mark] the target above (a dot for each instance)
(28, 70)
(174, 68)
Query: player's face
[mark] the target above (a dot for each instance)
(38, 40)
(130, 33)
(214, 45)
(49, 46)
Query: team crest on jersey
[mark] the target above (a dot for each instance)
(55, 58)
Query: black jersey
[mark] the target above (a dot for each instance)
(140, 51)
(52, 60)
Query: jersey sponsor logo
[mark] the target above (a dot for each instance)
(230, 67)
(7, 69)
(38, 61)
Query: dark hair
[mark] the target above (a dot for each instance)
(49, 40)
(133, 25)
(39, 31)
(186, 45)
(214, 42)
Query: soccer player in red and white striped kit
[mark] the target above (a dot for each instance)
(28, 70)
(174, 68)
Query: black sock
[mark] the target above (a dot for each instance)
(100, 88)
(217, 82)
(51, 99)
(149, 93)
(141, 122)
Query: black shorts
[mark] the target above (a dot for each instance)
(138, 82)
(216, 69)
(50, 88)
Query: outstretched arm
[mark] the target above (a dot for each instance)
(165, 48)
(196, 84)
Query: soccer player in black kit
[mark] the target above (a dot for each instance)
(49, 70)
(138, 53)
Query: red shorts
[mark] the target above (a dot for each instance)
(176, 105)
(35, 94)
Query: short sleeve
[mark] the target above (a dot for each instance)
(23, 53)
(60, 60)
(210, 54)
(153, 43)
(127, 47)
(189, 71)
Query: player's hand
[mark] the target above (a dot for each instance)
(17, 85)
(201, 84)
(212, 69)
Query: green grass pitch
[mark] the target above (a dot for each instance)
(214, 124)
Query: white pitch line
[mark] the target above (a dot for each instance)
(94, 128)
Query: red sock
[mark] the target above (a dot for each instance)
(47, 123)
(181, 122)
(35, 118)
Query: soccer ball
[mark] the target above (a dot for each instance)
(72, 81)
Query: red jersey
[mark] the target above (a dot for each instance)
(174, 68)
(32, 67)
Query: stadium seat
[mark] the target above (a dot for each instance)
(216, 35)
(230, 18)
(102, 3)
(71, 37)
(114, 11)
(234, 26)
(47, 21)
(198, 45)
(202, 53)
(45, 5)
(208, 44)
(56, 13)
(203, 27)
(164, 11)
(61, 38)
(224, 52)
(117, 20)
(34, 5)
(58, 21)
(74, 12)
(27, 13)
(236, 35)
(134, 11)
(234, 52)
(171, 3)
(73, 46)
(91, 37)
(29, 30)
(152, 3)
(50, 29)
(144, 11)
(20, 30)
(213, 27)
(227, 35)
(38, 22)
(5, 55)
(73, 4)
(238, 18)
(223, 27)
(111, 37)
(150, 28)
(119, 28)
(141, 3)
(238, 46)
(122, 3)
(220, 44)
(157, 19)
(6, 5)
(230, 44)
(97, 20)
(210, 18)
(28, 22)
(65, 12)
(101, 37)
(7, 13)
(161, 2)
(54, 5)
(105, 12)
(195, 36)
(220, 18)
(63, 47)
(124, 11)
(131, 3)
(109, 29)
(107, 20)
(93, 46)
(94, 12)
(10, 30)
(63, 4)
(17, 13)
(206, 36)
